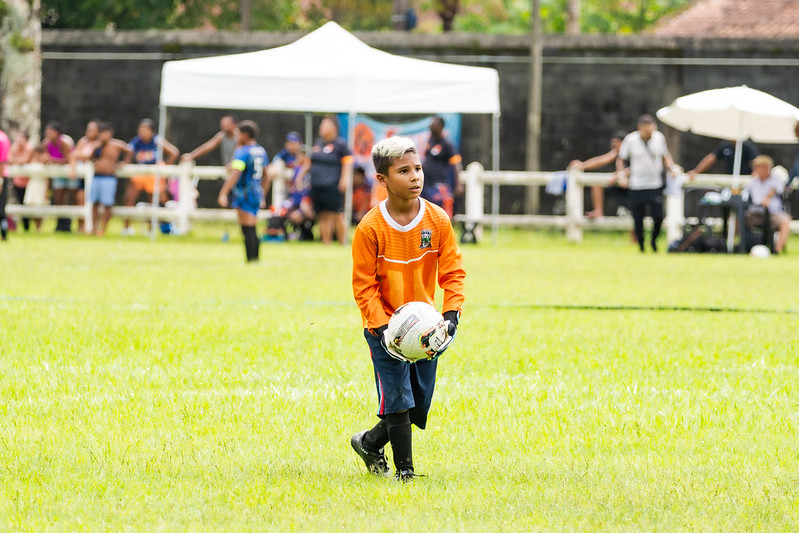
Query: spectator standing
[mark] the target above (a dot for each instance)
(36, 191)
(5, 145)
(227, 140)
(599, 161)
(108, 155)
(58, 147)
(144, 151)
(766, 189)
(90, 135)
(244, 180)
(330, 167)
(21, 153)
(725, 152)
(648, 158)
(442, 166)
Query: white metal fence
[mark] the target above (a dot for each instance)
(476, 178)
(181, 213)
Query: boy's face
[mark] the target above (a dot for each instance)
(405, 178)
(92, 130)
(761, 171)
(106, 135)
(145, 132)
(293, 147)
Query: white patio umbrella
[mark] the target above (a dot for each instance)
(734, 113)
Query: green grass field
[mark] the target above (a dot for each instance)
(169, 386)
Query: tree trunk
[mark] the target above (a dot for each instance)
(399, 15)
(447, 10)
(246, 15)
(532, 199)
(573, 17)
(21, 77)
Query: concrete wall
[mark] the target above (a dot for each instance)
(592, 85)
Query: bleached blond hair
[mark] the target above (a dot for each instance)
(389, 150)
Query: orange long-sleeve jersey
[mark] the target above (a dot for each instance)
(393, 264)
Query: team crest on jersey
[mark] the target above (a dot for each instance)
(435, 150)
(427, 237)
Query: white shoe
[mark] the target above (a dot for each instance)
(128, 232)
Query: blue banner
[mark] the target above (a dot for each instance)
(369, 131)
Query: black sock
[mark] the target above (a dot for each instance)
(377, 437)
(3, 228)
(250, 242)
(399, 433)
(245, 232)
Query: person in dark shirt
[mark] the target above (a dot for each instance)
(725, 151)
(330, 166)
(441, 166)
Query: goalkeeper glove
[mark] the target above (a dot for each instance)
(451, 321)
(385, 342)
(451, 318)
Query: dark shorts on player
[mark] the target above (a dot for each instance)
(402, 386)
(327, 199)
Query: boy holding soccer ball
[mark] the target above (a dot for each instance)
(400, 249)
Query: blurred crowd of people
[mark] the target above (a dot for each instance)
(642, 167)
(315, 177)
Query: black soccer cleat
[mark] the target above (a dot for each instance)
(375, 460)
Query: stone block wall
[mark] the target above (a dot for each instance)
(592, 86)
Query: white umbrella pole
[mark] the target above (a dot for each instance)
(159, 158)
(736, 168)
(736, 174)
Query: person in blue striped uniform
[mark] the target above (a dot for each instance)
(245, 182)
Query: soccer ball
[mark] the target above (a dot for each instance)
(416, 331)
(760, 250)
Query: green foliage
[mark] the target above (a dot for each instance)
(478, 16)
(597, 16)
(609, 16)
(272, 15)
(170, 386)
(98, 14)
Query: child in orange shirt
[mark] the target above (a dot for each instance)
(401, 248)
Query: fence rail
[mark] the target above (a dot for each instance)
(181, 212)
(476, 179)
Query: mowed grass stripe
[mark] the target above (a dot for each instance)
(167, 386)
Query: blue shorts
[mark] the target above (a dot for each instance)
(249, 207)
(104, 190)
(402, 386)
(66, 183)
(248, 200)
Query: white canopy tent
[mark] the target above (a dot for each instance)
(330, 70)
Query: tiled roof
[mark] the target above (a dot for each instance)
(734, 18)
